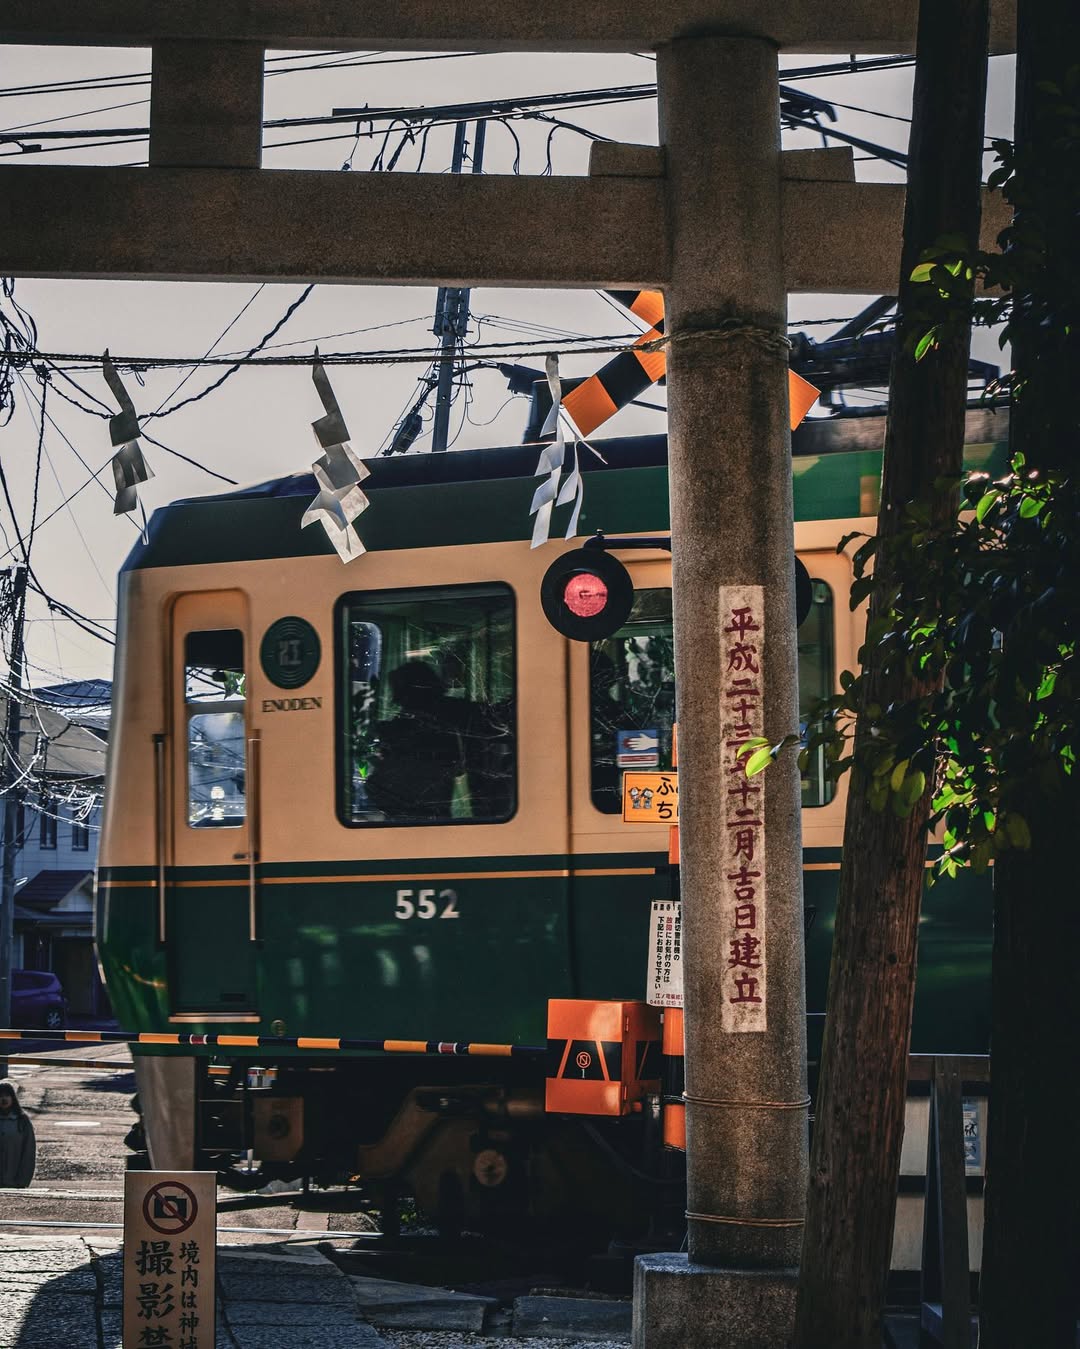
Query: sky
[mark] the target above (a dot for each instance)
(257, 425)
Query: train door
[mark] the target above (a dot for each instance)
(210, 894)
(622, 714)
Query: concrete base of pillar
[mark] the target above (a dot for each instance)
(678, 1305)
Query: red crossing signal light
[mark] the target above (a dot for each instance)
(587, 594)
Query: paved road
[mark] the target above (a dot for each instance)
(60, 1285)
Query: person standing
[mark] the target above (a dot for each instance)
(18, 1146)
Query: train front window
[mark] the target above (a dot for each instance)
(426, 716)
(214, 701)
(632, 694)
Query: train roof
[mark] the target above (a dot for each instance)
(483, 496)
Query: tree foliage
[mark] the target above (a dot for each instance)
(992, 603)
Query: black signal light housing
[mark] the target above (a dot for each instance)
(587, 594)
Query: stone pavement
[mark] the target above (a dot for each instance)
(65, 1291)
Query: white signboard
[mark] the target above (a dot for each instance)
(742, 718)
(665, 981)
(170, 1235)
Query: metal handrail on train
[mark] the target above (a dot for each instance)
(254, 839)
(160, 825)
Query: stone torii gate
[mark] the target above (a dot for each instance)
(725, 224)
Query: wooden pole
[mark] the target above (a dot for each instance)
(859, 1117)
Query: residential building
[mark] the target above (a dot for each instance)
(62, 771)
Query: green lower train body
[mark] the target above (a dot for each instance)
(454, 950)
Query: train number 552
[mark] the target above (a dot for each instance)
(426, 904)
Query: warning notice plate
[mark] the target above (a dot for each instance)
(650, 798)
(170, 1235)
(637, 749)
(665, 981)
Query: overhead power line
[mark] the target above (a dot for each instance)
(436, 114)
(141, 78)
(600, 345)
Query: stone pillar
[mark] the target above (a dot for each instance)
(206, 101)
(735, 652)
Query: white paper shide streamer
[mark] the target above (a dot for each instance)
(128, 465)
(339, 473)
(552, 462)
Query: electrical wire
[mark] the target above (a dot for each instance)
(210, 349)
(897, 158)
(82, 538)
(65, 149)
(30, 394)
(441, 114)
(70, 116)
(102, 409)
(246, 360)
(93, 478)
(638, 324)
(136, 79)
(332, 337)
(37, 472)
(69, 613)
(195, 463)
(598, 345)
(495, 416)
(20, 335)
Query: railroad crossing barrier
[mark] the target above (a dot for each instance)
(451, 1048)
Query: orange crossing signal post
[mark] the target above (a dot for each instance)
(603, 1057)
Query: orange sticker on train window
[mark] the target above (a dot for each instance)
(650, 798)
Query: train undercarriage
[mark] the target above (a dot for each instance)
(473, 1153)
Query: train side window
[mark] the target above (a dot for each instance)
(816, 675)
(214, 705)
(426, 709)
(632, 694)
(632, 697)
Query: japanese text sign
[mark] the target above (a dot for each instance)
(665, 980)
(742, 843)
(170, 1234)
(650, 798)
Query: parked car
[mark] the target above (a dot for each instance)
(37, 999)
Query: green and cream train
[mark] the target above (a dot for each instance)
(379, 804)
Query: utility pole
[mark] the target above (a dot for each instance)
(452, 303)
(11, 789)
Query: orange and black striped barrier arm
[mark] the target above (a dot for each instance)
(453, 1048)
(627, 375)
(39, 1061)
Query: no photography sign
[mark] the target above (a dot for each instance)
(170, 1235)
